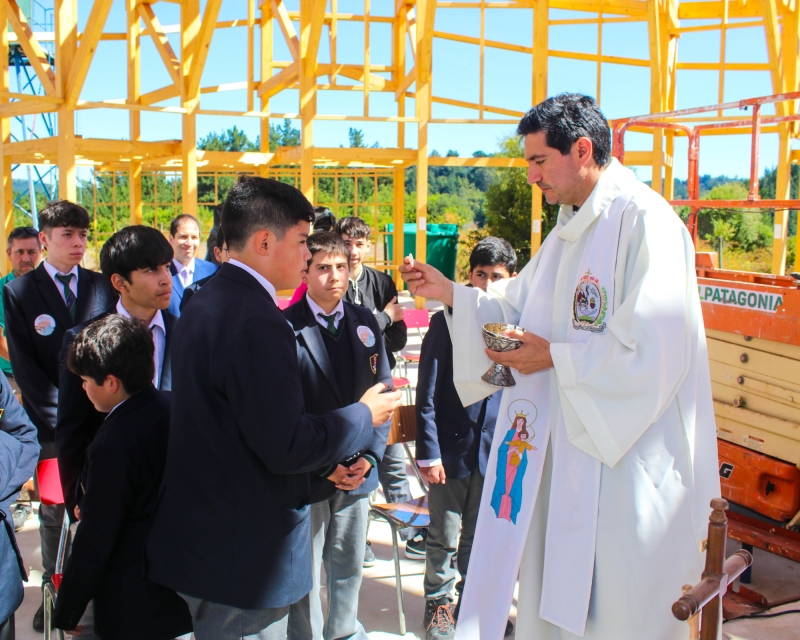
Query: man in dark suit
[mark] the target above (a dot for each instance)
(114, 357)
(186, 267)
(341, 355)
(221, 255)
(453, 444)
(136, 260)
(238, 421)
(40, 307)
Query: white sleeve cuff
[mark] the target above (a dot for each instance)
(429, 463)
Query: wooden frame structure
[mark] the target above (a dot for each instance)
(310, 30)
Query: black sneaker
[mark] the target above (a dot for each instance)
(369, 556)
(38, 619)
(439, 623)
(415, 548)
(21, 513)
(509, 628)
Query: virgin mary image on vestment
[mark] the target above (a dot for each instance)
(512, 460)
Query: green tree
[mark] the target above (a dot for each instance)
(284, 135)
(508, 205)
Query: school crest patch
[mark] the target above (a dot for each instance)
(373, 363)
(589, 305)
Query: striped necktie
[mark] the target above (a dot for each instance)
(69, 297)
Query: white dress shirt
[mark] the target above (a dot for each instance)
(159, 332)
(318, 312)
(73, 283)
(261, 279)
(186, 274)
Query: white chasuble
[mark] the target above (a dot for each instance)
(602, 469)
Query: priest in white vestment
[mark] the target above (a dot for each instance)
(609, 507)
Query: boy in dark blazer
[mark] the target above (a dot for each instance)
(40, 307)
(124, 465)
(238, 420)
(376, 292)
(186, 267)
(341, 355)
(220, 253)
(453, 444)
(136, 260)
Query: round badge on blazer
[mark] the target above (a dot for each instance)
(366, 336)
(44, 324)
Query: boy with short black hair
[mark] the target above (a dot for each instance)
(341, 355)
(136, 260)
(453, 444)
(376, 291)
(40, 307)
(124, 465)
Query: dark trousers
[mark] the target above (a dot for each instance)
(7, 628)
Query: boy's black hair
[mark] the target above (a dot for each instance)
(63, 213)
(132, 248)
(23, 233)
(493, 251)
(179, 220)
(256, 203)
(219, 238)
(328, 242)
(354, 227)
(324, 220)
(567, 117)
(116, 346)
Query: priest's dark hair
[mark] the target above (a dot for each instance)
(493, 251)
(114, 346)
(132, 248)
(63, 213)
(327, 242)
(255, 204)
(567, 117)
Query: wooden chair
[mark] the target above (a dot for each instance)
(403, 515)
(705, 597)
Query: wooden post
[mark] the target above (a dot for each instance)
(541, 29)
(715, 559)
(312, 15)
(655, 27)
(399, 34)
(66, 25)
(6, 184)
(399, 221)
(190, 29)
(266, 73)
(134, 71)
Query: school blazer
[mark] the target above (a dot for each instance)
(240, 443)
(461, 436)
(319, 380)
(202, 269)
(35, 356)
(193, 288)
(78, 420)
(124, 465)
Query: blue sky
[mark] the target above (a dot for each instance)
(624, 91)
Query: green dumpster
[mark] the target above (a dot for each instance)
(442, 245)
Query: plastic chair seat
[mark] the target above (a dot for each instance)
(411, 513)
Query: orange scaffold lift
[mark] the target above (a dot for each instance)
(752, 324)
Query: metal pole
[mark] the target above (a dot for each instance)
(755, 152)
(31, 190)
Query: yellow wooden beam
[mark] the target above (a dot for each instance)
(287, 28)
(86, 51)
(280, 81)
(312, 14)
(190, 33)
(159, 95)
(161, 42)
(6, 183)
(472, 105)
(714, 10)
(30, 45)
(26, 107)
(375, 82)
(200, 54)
(507, 163)
(65, 15)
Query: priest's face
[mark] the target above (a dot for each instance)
(562, 178)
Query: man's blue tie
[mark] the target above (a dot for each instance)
(69, 297)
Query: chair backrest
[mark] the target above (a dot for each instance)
(50, 492)
(404, 425)
(417, 318)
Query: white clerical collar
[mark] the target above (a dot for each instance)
(614, 179)
(318, 311)
(261, 279)
(157, 321)
(52, 271)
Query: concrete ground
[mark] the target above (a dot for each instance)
(772, 576)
